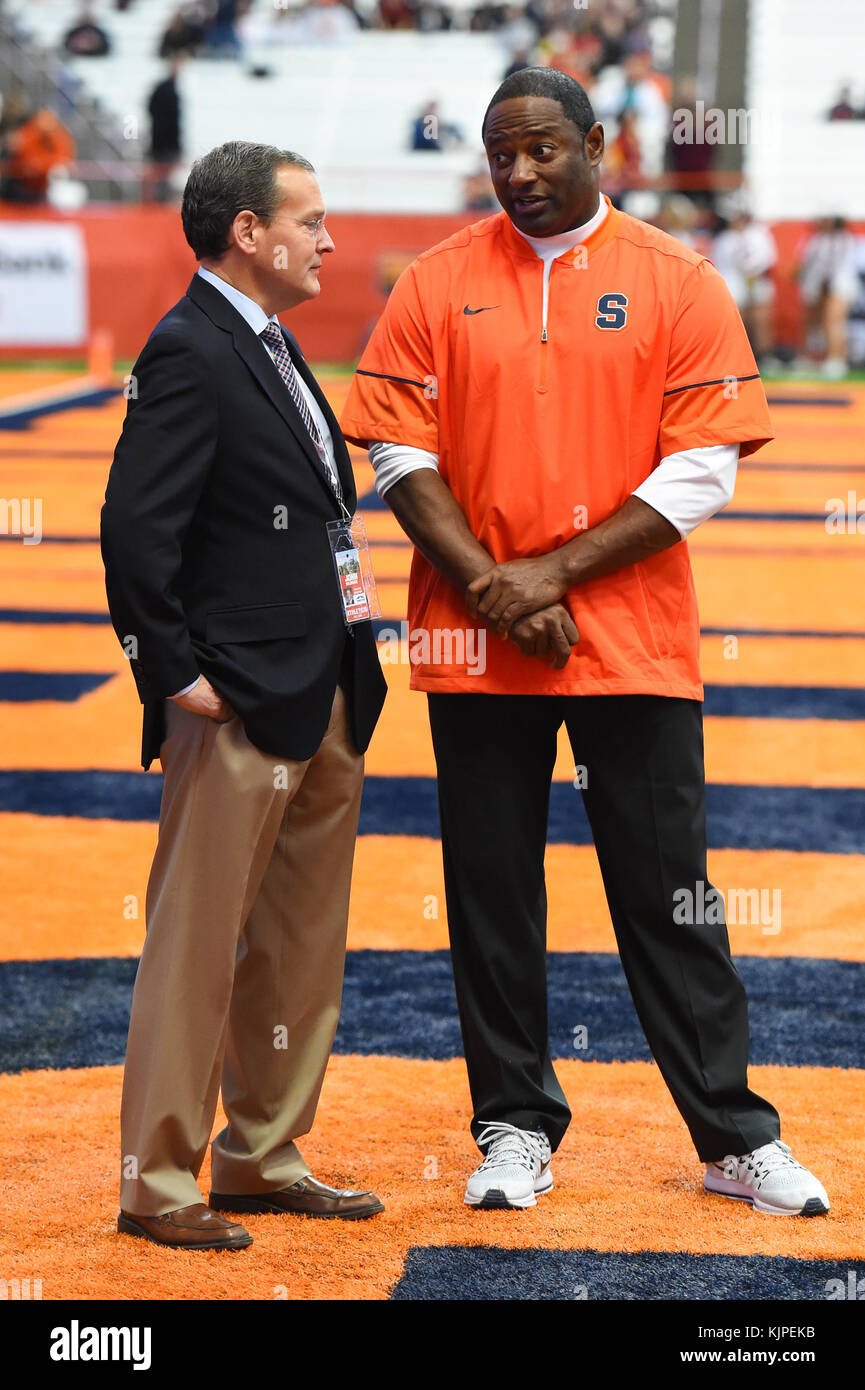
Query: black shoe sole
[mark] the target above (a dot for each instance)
(813, 1207)
(127, 1227)
(255, 1206)
(494, 1200)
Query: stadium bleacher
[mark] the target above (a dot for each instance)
(347, 107)
(799, 166)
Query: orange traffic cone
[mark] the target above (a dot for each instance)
(100, 357)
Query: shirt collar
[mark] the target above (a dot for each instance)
(551, 246)
(246, 307)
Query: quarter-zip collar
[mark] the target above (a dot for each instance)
(593, 233)
(548, 248)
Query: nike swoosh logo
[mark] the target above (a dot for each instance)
(467, 310)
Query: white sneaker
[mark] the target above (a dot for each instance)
(515, 1170)
(834, 369)
(770, 366)
(771, 1180)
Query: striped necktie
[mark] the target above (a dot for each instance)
(272, 336)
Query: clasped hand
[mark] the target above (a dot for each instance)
(520, 600)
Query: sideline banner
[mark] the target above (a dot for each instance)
(134, 263)
(43, 284)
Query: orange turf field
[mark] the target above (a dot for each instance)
(626, 1177)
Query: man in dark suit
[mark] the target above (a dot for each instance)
(166, 144)
(259, 702)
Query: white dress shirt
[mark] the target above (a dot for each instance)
(258, 321)
(686, 488)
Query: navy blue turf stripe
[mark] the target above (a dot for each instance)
(485, 1273)
(756, 466)
(59, 540)
(785, 701)
(803, 1012)
(389, 544)
(23, 418)
(753, 463)
(763, 701)
(821, 819)
(371, 502)
(20, 686)
(93, 795)
(828, 401)
(41, 616)
(770, 516)
(100, 618)
(822, 634)
(734, 630)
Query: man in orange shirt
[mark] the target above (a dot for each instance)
(553, 399)
(35, 148)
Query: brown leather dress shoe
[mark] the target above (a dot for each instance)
(304, 1198)
(188, 1228)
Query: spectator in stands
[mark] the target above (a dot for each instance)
(328, 21)
(220, 37)
(744, 253)
(185, 32)
(681, 217)
(570, 53)
(430, 132)
(14, 111)
(616, 22)
(395, 14)
(623, 157)
(691, 157)
(829, 283)
(843, 110)
(429, 17)
(268, 26)
(636, 86)
(85, 39)
(478, 192)
(38, 146)
(486, 18)
(519, 29)
(856, 317)
(518, 62)
(166, 145)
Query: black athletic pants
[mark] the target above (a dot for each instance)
(645, 799)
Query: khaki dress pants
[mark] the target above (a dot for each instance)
(240, 979)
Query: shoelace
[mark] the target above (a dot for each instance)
(507, 1142)
(766, 1160)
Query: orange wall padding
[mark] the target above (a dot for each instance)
(139, 265)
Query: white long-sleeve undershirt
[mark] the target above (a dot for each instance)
(686, 488)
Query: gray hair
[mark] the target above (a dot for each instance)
(230, 179)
